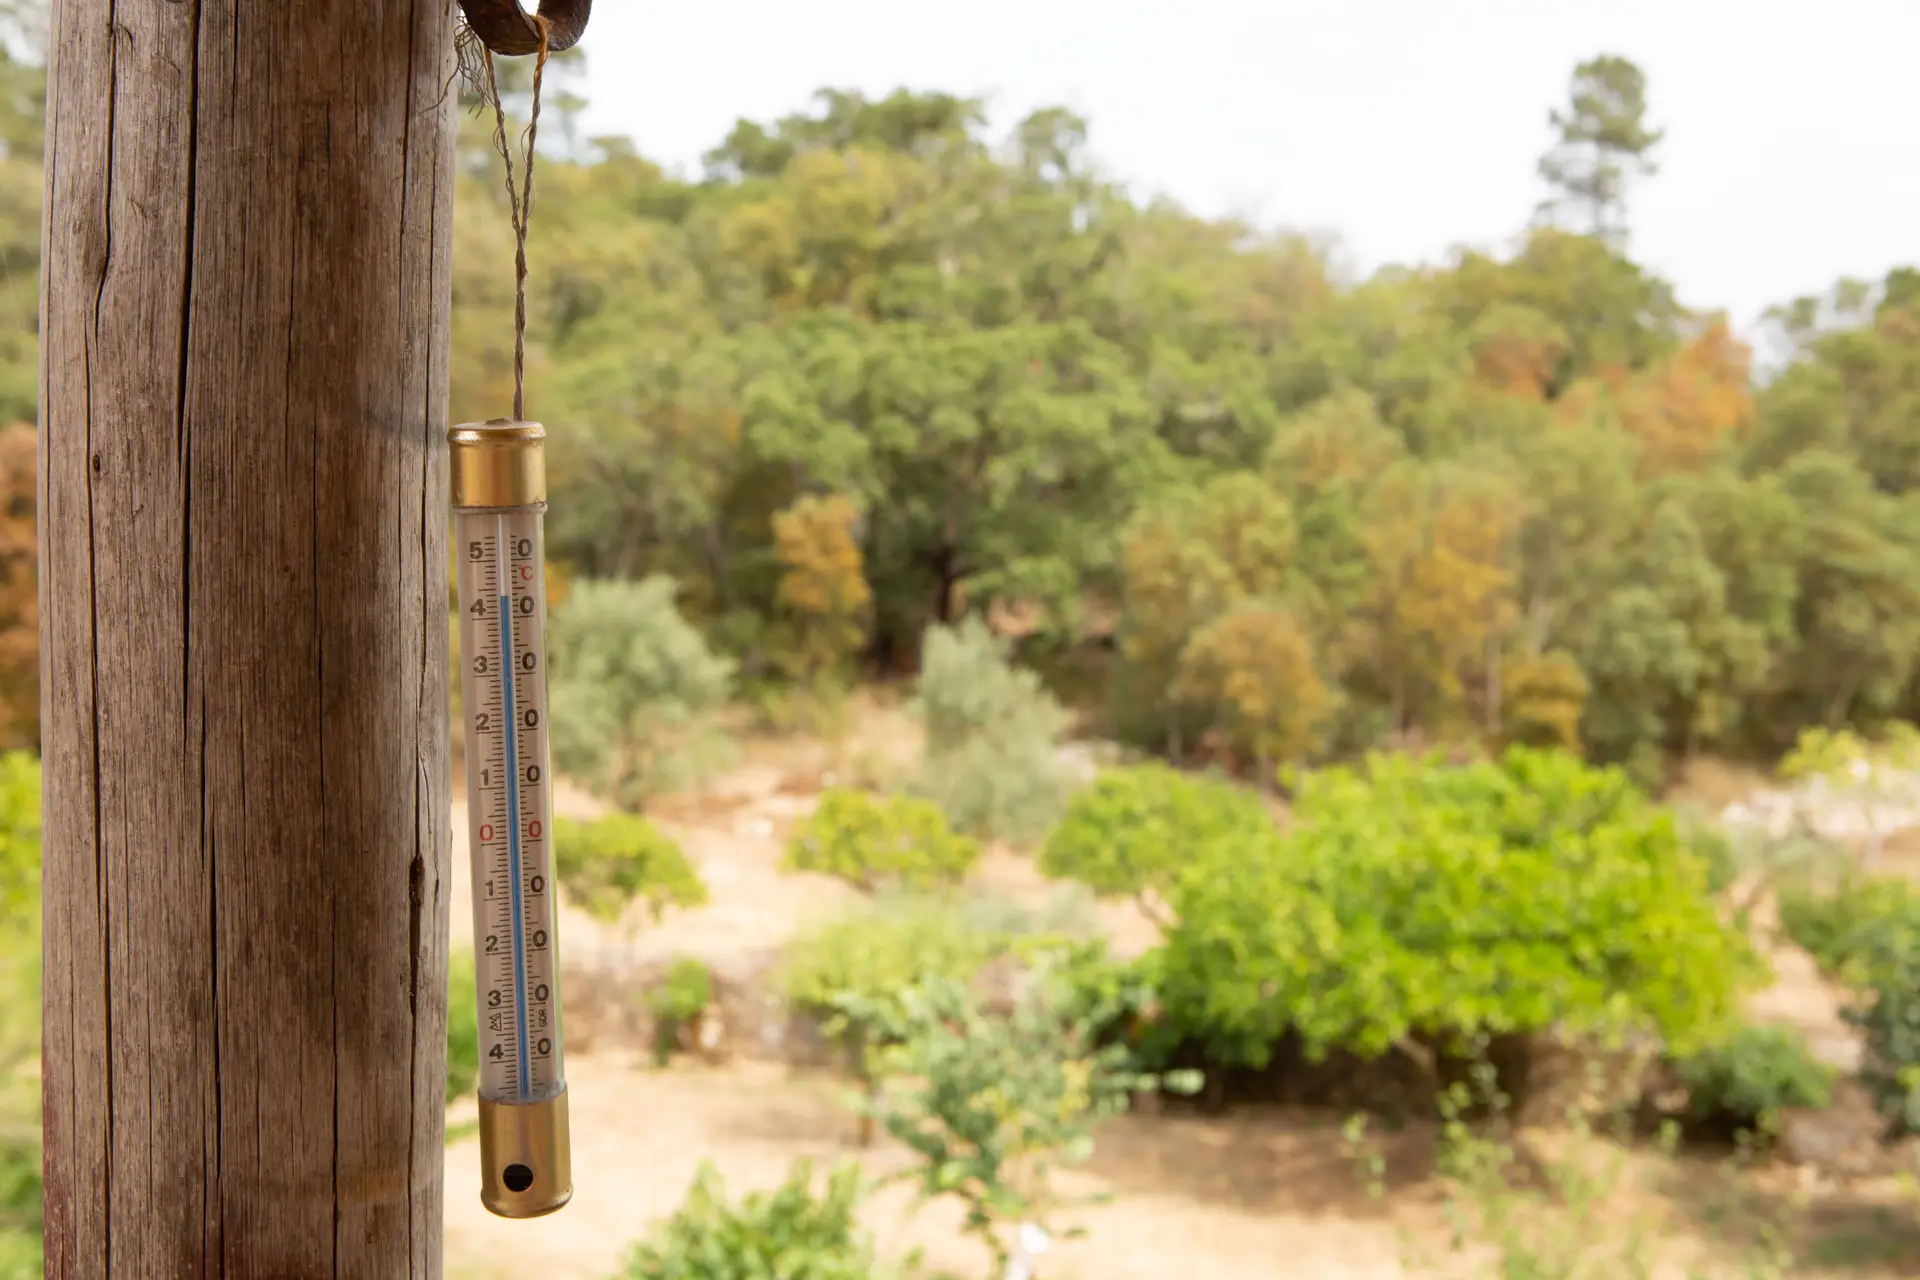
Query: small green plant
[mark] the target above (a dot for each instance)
(1889, 1022)
(463, 1026)
(608, 864)
(20, 1155)
(677, 1004)
(874, 842)
(794, 1232)
(852, 971)
(1853, 925)
(1132, 832)
(992, 1103)
(993, 735)
(1741, 1084)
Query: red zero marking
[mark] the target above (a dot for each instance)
(486, 832)
(533, 830)
(526, 573)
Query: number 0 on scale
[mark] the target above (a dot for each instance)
(499, 499)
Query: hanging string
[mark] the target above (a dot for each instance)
(520, 203)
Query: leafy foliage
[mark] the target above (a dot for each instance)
(1438, 904)
(677, 1003)
(992, 1103)
(607, 864)
(20, 1186)
(823, 594)
(634, 690)
(1856, 928)
(992, 737)
(872, 841)
(1890, 1025)
(1744, 1081)
(797, 1232)
(1134, 830)
(463, 1026)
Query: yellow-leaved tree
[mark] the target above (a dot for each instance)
(823, 596)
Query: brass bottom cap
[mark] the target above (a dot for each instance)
(526, 1157)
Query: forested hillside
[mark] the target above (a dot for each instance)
(876, 367)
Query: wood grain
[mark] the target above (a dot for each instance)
(243, 634)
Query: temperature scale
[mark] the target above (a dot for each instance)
(499, 497)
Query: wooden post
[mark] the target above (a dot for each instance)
(244, 635)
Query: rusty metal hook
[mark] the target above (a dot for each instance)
(504, 27)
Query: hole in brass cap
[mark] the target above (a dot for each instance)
(517, 1177)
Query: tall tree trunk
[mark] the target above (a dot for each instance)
(244, 636)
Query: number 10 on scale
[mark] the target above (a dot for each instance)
(499, 499)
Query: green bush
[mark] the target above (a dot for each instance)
(20, 1188)
(1134, 829)
(607, 864)
(463, 1026)
(993, 735)
(635, 691)
(882, 948)
(872, 842)
(682, 996)
(991, 1103)
(1889, 1024)
(794, 1232)
(1742, 1083)
(871, 956)
(1418, 902)
(1853, 927)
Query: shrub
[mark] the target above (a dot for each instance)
(463, 1026)
(635, 690)
(607, 864)
(1440, 905)
(993, 733)
(992, 1103)
(682, 996)
(1853, 927)
(1132, 831)
(853, 972)
(870, 842)
(1743, 1082)
(1889, 1023)
(884, 948)
(794, 1232)
(20, 1186)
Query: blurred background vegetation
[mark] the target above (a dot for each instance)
(880, 396)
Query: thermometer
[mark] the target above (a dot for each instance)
(499, 487)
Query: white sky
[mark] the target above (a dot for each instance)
(1403, 126)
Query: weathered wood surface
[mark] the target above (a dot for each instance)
(244, 635)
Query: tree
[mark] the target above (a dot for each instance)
(635, 690)
(1253, 667)
(1602, 142)
(243, 637)
(823, 588)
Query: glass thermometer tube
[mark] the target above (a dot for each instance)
(499, 498)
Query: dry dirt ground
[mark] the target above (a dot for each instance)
(1233, 1198)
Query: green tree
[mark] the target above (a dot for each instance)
(1602, 142)
(634, 689)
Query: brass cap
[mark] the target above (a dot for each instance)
(526, 1157)
(502, 463)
